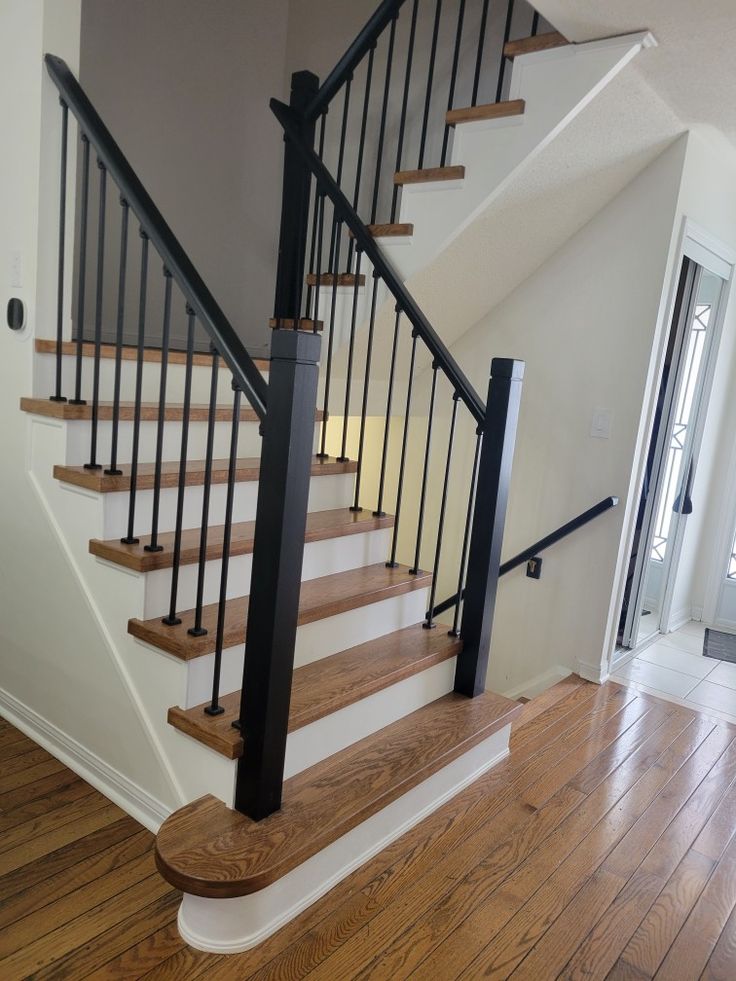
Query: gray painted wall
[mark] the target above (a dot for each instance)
(184, 87)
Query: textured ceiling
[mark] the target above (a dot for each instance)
(693, 70)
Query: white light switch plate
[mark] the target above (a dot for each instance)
(600, 427)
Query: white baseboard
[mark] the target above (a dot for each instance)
(597, 673)
(539, 683)
(228, 926)
(680, 618)
(135, 801)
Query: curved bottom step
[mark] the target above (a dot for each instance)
(244, 879)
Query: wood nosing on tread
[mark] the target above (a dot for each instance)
(319, 599)
(247, 469)
(389, 230)
(540, 42)
(328, 279)
(130, 353)
(494, 110)
(321, 525)
(429, 174)
(208, 850)
(327, 685)
(173, 412)
(305, 324)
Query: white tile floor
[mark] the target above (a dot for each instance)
(674, 667)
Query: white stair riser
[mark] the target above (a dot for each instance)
(78, 443)
(320, 559)
(325, 494)
(226, 926)
(314, 641)
(45, 369)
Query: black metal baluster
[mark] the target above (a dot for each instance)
(379, 512)
(172, 619)
(453, 78)
(364, 406)
(429, 623)
(425, 471)
(57, 396)
(214, 708)
(399, 491)
(479, 54)
(466, 538)
(361, 143)
(430, 78)
(113, 470)
(153, 545)
(318, 274)
(504, 42)
(343, 131)
(93, 464)
(322, 455)
(198, 630)
(343, 458)
(82, 273)
(404, 105)
(130, 538)
(535, 23)
(318, 199)
(382, 127)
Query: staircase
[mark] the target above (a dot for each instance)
(270, 543)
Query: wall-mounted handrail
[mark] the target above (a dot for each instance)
(367, 37)
(368, 246)
(177, 262)
(544, 543)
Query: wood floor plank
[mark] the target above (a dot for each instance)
(69, 792)
(42, 788)
(596, 825)
(47, 823)
(146, 956)
(76, 877)
(696, 941)
(511, 944)
(722, 962)
(66, 857)
(17, 778)
(41, 955)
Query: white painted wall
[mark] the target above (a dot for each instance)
(584, 323)
(56, 667)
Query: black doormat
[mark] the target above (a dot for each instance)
(719, 645)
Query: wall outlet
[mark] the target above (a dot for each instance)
(534, 568)
(600, 427)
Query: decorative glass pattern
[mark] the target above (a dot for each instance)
(683, 411)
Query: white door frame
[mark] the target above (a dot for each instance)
(707, 250)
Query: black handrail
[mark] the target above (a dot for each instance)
(346, 65)
(533, 550)
(177, 262)
(367, 244)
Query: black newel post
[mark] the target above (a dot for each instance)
(484, 558)
(294, 207)
(283, 490)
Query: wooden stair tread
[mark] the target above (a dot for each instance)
(540, 42)
(173, 412)
(248, 468)
(429, 174)
(209, 850)
(320, 598)
(320, 525)
(130, 353)
(328, 279)
(390, 230)
(494, 110)
(325, 686)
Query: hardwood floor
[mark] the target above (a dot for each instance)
(604, 846)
